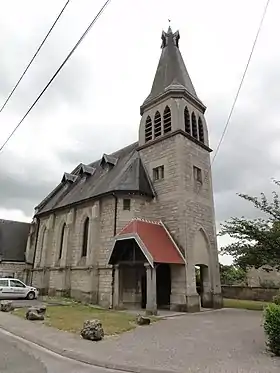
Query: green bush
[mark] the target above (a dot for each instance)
(276, 299)
(272, 327)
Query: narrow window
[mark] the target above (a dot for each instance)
(166, 120)
(157, 125)
(158, 173)
(197, 174)
(42, 248)
(187, 120)
(61, 241)
(148, 129)
(126, 204)
(194, 125)
(85, 238)
(200, 130)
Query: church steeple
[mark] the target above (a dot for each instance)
(171, 73)
(172, 106)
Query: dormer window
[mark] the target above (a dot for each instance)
(87, 170)
(108, 161)
(69, 178)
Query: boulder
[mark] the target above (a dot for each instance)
(92, 330)
(41, 310)
(141, 320)
(33, 314)
(7, 306)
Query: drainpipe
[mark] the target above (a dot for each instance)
(114, 232)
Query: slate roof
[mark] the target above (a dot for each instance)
(153, 239)
(171, 71)
(125, 173)
(13, 240)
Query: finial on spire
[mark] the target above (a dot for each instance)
(169, 31)
(174, 38)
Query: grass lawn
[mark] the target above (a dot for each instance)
(71, 318)
(245, 304)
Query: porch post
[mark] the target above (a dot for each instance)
(151, 305)
(116, 299)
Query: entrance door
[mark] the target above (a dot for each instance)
(163, 285)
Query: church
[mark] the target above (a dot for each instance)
(131, 229)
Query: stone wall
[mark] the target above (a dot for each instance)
(248, 293)
(16, 269)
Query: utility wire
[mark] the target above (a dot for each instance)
(56, 73)
(33, 58)
(239, 88)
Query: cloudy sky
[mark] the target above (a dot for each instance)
(93, 105)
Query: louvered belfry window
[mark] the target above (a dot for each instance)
(148, 129)
(167, 120)
(157, 124)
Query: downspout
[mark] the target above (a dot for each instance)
(35, 248)
(114, 232)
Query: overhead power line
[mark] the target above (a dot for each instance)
(56, 73)
(239, 88)
(34, 56)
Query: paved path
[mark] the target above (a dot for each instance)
(228, 341)
(17, 356)
(14, 360)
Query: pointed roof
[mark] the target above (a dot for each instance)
(171, 71)
(153, 239)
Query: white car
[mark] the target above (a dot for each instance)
(11, 288)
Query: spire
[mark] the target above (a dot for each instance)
(171, 71)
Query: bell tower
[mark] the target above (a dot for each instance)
(174, 146)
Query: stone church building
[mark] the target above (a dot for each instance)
(129, 229)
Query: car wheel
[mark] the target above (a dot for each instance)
(30, 295)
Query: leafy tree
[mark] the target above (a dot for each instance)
(231, 275)
(257, 241)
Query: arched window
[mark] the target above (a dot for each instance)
(85, 237)
(148, 129)
(194, 126)
(157, 124)
(62, 236)
(200, 130)
(42, 247)
(166, 120)
(187, 120)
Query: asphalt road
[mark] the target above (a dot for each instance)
(17, 356)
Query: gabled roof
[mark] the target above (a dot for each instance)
(171, 71)
(153, 239)
(69, 177)
(13, 240)
(128, 175)
(109, 159)
(85, 169)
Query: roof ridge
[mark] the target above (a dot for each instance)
(13, 221)
(157, 222)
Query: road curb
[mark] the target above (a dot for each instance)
(70, 354)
